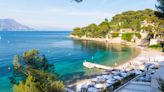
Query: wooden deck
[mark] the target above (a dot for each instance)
(93, 65)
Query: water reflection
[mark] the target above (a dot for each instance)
(101, 52)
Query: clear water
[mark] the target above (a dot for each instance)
(67, 54)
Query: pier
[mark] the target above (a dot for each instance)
(93, 65)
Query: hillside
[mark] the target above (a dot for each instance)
(12, 25)
(130, 21)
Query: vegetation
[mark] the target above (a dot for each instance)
(123, 81)
(93, 30)
(130, 36)
(115, 34)
(157, 46)
(160, 7)
(33, 73)
(161, 84)
(129, 19)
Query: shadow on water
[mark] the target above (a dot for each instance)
(93, 46)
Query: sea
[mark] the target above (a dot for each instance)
(65, 53)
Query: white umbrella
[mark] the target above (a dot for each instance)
(138, 72)
(117, 77)
(78, 88)
(99, 86)
(94, 79)
(110, 81)
(84, 86)
(142, 78)
(92, 84)
(107, 85)
(98, 77)
(109, 77)
(123, 74)
(92, 89)
(104, 76)
(104, 73)
(102, 79)
(115, 72)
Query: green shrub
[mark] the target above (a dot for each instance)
(156, 46)
(116, 34)
(127, 36)
(117, 84)
(138, 35)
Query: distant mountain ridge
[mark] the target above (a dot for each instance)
(12, 25)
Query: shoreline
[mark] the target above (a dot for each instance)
(144, 52)
(116, 40)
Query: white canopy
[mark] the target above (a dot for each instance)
(92, 89)
(99, 85)
(123, 74)
(104, 76)
(94, 79)
(104, 73)
(99, 77)
(138, 72)
(110, 81)
(117, 77)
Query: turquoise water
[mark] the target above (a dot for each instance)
(67, 54)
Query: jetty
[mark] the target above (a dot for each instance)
(93, 65)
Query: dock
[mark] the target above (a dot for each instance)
(93, 65)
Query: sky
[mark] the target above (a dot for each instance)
(67, 14)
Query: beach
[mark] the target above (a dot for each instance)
(146, 55)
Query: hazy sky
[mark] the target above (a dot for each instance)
(67, 14)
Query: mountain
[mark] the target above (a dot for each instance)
(12, 25)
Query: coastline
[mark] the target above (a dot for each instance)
(116, 40)
(144, 52)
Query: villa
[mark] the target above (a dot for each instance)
(145, 23)
(126, 30)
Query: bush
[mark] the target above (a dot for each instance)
(32, 85)
(33, 73)
(127, 36)
(156, 46)
(116, 34)
(116, 85)
(138, 35)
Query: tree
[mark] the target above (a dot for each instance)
(128, 19)
(160, 6)
(33, 73)
(31, 85)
